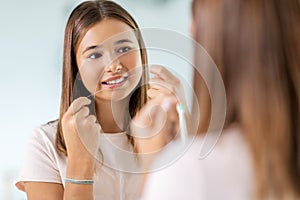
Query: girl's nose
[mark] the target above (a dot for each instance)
(114, 67)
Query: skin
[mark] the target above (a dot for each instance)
(117, 49)
(102, 63)
(94, 69)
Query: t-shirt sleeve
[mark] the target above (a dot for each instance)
(39, 163)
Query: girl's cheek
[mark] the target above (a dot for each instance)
(90, 78)
(131, 60)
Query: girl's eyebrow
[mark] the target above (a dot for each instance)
(99, 46)
(91, 47)
(123, 41)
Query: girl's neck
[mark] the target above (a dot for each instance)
(113, 116)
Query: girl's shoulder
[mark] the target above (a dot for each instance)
(41, 161)
(45, 133)
(214, 166)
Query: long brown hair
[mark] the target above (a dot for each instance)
(256, 46)
(82, 18)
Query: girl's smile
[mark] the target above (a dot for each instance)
(115, 82)
(109, 60)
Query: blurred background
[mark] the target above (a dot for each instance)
(31, 41)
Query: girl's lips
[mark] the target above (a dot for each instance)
(115, 82)
(112, 78)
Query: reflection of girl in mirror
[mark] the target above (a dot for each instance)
(113, 71)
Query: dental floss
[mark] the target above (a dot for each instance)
(182, 123)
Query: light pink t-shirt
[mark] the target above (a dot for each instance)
(226, 173)
(113, 180)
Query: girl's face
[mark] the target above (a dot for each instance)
(109, 60)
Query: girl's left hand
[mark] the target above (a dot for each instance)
(165, 82)
(155, 125)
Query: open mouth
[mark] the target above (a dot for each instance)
(115, 81)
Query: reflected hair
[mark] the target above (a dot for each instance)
(256, 47)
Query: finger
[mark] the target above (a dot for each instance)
(172, 112)
(145, 115)
(161, 72)
(153, 109)
(160, 84)
(169, 103)
(97, 127)
(158, 117)
(77, 104)
(143, 119)
(153, 93)
(82, 113)
(172, 122)
(91, 118)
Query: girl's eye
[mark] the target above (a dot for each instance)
(95, 55)
(124, 49)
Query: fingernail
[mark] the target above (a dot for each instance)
(149, 94)
(167, 104)
(89, 101)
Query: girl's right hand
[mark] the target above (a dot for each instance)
(80, 130)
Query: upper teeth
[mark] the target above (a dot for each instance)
(116, 81)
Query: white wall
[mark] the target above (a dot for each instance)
(31, 39)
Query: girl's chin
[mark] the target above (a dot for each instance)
(112, 95)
